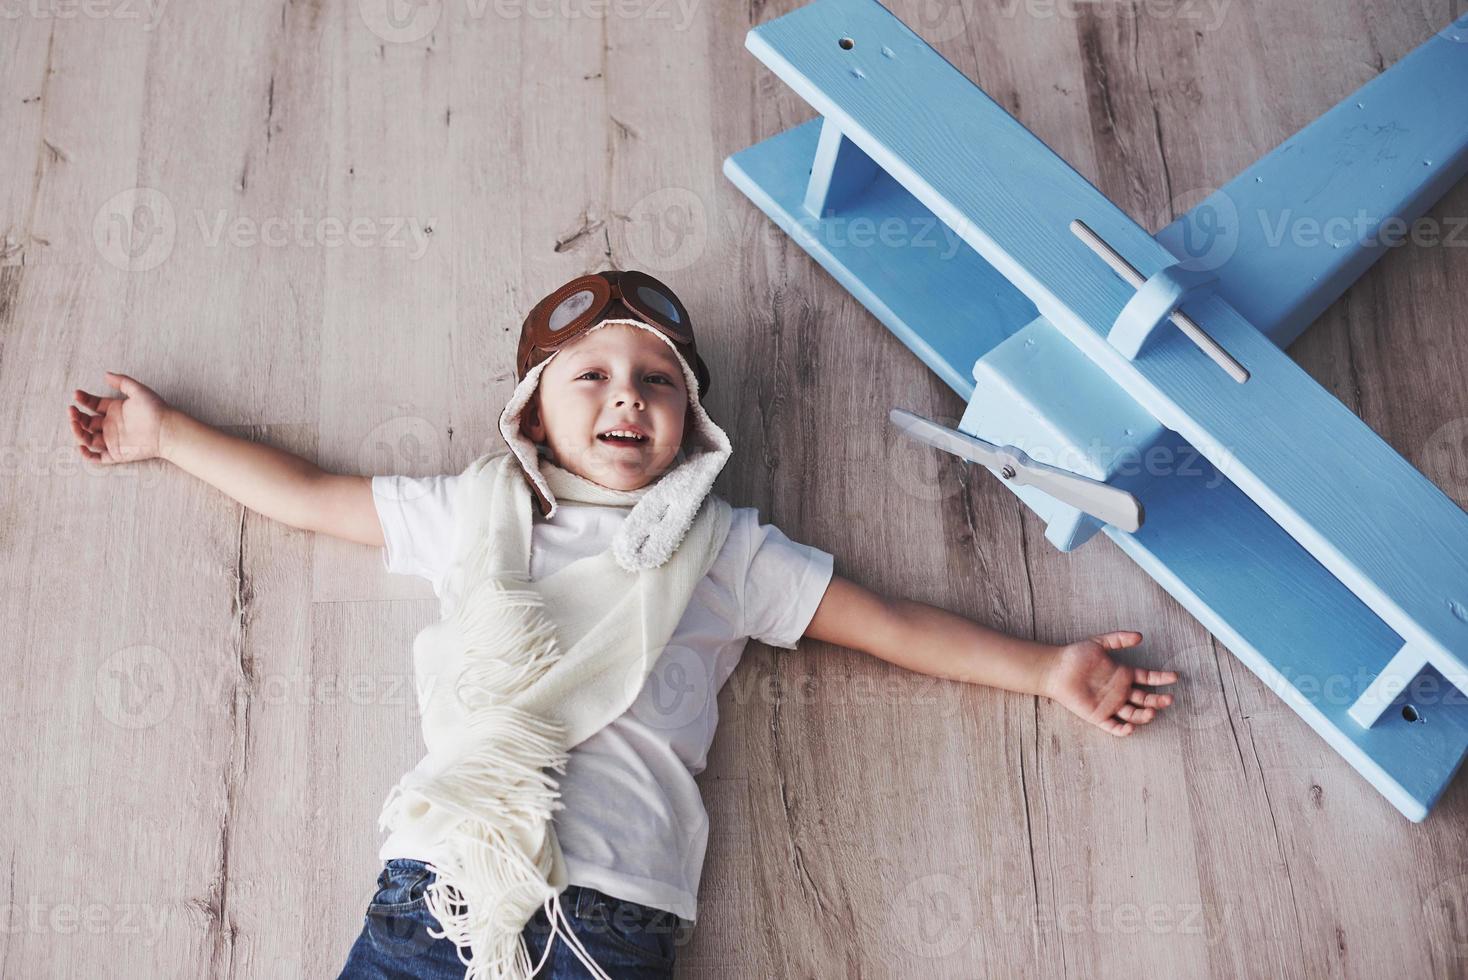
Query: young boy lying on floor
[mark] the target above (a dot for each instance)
(583, 574)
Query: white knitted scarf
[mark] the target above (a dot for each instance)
(514, 677)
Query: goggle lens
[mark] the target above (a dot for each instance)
(658, 303)
(569, 309)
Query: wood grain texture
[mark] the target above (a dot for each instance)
(205, 710)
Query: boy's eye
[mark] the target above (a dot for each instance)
(662, 378)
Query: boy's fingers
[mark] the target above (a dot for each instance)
(78, 417)
(1132, 713)
(122, 383)
(1154, 677)
(79, 429)
(1119, 639)
(1149, 699)
(1117, 728)
(94, 403)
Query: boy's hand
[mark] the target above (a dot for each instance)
(120, 430)
(1087, 681)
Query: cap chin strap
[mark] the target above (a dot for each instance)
(661, 516)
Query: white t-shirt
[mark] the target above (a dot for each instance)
(634, 824)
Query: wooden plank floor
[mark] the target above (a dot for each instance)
(204, 710)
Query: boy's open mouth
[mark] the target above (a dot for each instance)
(622, 437)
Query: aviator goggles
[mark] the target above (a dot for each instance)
(574, 308)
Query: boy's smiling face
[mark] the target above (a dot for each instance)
(616, 378)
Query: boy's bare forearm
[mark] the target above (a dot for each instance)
(265, 479)
(934, 641)
(929, 640)
(1082, 675)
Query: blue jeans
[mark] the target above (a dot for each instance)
(627, 940)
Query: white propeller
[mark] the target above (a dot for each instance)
(1109, 504)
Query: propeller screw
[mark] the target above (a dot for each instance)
(1007, 472)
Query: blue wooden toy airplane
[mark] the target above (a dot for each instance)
(1318, 555)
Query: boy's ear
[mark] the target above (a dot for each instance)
(530, 422)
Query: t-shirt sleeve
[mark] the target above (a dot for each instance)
(416, 513)
(783, 586)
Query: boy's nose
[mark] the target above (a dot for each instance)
(628, 393)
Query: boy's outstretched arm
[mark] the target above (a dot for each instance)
(923, 638)
(280, 485)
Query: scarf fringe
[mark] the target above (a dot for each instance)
(498, 854)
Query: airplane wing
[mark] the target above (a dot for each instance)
(1304, 221)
